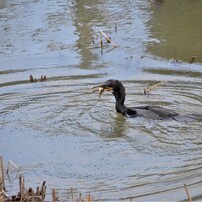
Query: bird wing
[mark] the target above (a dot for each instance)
(162, 112)
(154, 112)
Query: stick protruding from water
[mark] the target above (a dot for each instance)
(188, 194)
(108, 39)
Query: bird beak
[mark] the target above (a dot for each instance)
(102, 88)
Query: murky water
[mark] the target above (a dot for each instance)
(61, 132)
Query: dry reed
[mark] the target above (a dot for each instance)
(149, 88)
(187, 192)
(28, 195)
(107, 38)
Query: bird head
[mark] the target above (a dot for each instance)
(111, 85)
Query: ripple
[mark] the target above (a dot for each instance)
(61, 132)
(106, 139)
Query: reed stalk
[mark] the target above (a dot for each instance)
(53, 195)
(11, 163)
(149, 88)
(2, 174)
(187, 192)
(108, 39)
(101, 43)
(22, 188)
(72, 195)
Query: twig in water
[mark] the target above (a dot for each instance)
(108, 39)
(11, 163)
(31, 78)
(80, 197)
(3, 192)
(88, 198)
(193, 58)
(115, 27)
(53, 195)
(72, 196)
(149, 88)
(43, 190)
(101, 43)
(22, 187)
(187, 191)
(2, 173)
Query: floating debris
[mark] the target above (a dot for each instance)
(149, 88)
(54, 196)
(29, 195)
(193, 58)
(187, 192)
(115, 27)
(16, 168)
(87, 198)
(107, 38)
(175, 60)
(26, 195)
(41, 78)
(32, 79)
(101, 43)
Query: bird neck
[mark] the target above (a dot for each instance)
(120, 108)
(120, 98)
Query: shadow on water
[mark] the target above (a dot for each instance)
(61, 132)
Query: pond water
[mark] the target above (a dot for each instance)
(61, 132)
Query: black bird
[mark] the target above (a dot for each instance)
(118, 90)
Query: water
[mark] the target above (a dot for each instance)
(61, 132)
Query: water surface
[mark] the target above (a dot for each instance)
(61, 132)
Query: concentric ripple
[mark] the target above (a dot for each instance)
(61, 132)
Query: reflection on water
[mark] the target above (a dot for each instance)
(176, 29)
(84, 24)
(61, 132)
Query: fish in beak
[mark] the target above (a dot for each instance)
(102, 88)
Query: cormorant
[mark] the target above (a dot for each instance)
(118, 90)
